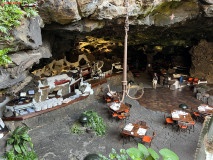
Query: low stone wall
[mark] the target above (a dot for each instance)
(203, 95)
(204, 149)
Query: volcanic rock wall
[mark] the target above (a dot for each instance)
(204, 149)
(80, 16)
(202, 61)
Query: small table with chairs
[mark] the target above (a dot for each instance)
(137, 130)
(202, 111)
(119, 110)
(112, 96)
(205, 110)
(118, 107)
(181, 116)
(182, 120)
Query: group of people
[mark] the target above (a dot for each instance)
(155, 80)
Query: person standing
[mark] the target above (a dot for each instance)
(155, 81)
(180, 80)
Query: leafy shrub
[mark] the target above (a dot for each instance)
(75, 128)
(4, 59)
(19, 140)
(96, 122)
(114, 155)
(141, 153)
(11, 14)
(31, 155)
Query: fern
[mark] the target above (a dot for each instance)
(4, 58)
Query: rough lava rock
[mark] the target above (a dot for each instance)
(27, 35)
(24, 61)
(62, 11)
(202, 61)
(94, 13)
(88, 15)
(207, 7)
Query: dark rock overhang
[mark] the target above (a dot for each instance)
(187, 33)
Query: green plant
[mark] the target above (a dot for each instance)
(4, 58)
(141, 153)
(114, 155)
(96, 122)
(10, 17)
(20, 139)
(75, 128)
(31, 155)
(11, 14)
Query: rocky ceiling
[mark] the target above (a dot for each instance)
(158, 22)
(100, 23)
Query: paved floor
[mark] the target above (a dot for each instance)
(55, 141)
(164, 99)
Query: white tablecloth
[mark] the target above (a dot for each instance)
(128, 127)
(141, 131)
(115, 106)
(203, 108)
(180, 113)
(175, 115)
(109, 94)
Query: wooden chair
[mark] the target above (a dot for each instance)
(115, 99)
(148, 139)
(124, 136)
(143, 123)
(198, 117)
(126, 110)
(189, 126)
(190, 81)
(168, 120)
(112, 115)
(195, 81)
(124, 116)
(129, 105)
(107, 99)
(182, 126)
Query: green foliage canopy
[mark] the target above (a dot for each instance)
(140, 153)
(96, 122)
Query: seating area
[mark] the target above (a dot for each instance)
(184, 120)
(121, 112)
(148, 126)
(134, 130)
(195, 81)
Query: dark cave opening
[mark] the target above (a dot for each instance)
(110, 51)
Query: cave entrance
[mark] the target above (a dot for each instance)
(95, 56)
(173, 58)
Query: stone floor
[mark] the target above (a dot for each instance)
(55, 141)
(164, 99)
